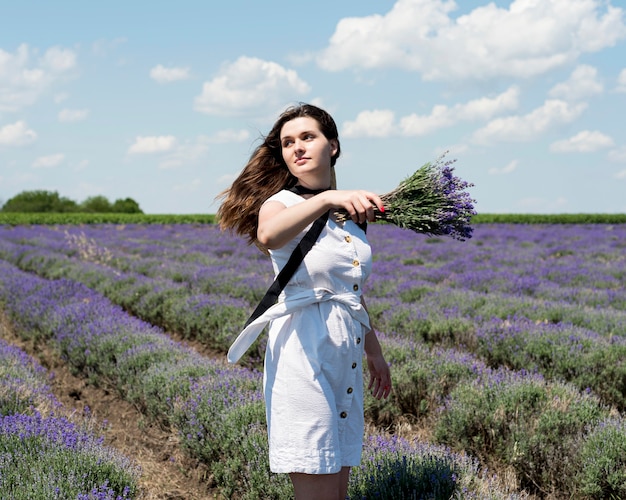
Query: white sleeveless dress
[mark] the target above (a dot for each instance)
(313, 378)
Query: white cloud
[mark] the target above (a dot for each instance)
(444, 116)
(72, 115)
(376, 123)
(247, 85)
(58, 60)
(48, 161)
(162, 74)
(507, 169)
(528, 127)
(380, 123)
(152, 144)
(586, 141)
(16, 134)
(528, 38)
(582, 83)
(621, 81)
(188, 152)
(621, 175)
(23, 77)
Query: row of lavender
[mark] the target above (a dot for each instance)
(507, 298)
(44, 454)
(216, 409)
(526, 297)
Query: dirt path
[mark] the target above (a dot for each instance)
(166, 473)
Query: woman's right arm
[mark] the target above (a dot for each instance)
(279, 224)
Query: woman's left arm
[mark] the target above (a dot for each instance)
(380, 374)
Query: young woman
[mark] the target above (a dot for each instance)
(320, 328)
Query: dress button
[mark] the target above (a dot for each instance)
(355, 263)
(358, 340)
(349, 390)
(348, 239)
(343, 414)
(353, 366)
(355, 287)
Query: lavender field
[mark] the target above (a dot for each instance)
(508, 351)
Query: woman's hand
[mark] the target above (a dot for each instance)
(358, 203)
(380, 376)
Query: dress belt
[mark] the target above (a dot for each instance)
(291, 303)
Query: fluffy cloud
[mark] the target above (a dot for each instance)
(48, 161)
(248, 85)
(380, 123)
(528, 127)
(443, 116)
(528, 38)
(72, 115)
(586, 141)
(376, 123)
(185, 153)
(152, 144)
(162, 74)
(24, 76)
(582, 83)
(16, 134)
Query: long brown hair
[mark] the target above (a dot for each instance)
(266, 173)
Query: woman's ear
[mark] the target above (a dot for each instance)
(334, 147)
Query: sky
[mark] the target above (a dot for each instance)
(164, 102)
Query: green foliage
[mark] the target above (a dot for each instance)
(524, 422)
(46, 202)
(17, 219)
(602, 470)
(549, 219)
(160, 385)
(563, 354)
(51, 458)
(97, 204)
(126, 206)
(39, 201)
(423, 379)
(395, 474)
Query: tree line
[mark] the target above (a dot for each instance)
(41, 201)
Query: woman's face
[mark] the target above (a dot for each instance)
(306, 150)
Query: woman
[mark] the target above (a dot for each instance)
(320, 327)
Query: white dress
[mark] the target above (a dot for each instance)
(313, 379)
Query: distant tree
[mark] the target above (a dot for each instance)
(126, 206)
(47, 201)
(39, 201)
(96, 204)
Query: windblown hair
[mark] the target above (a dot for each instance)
(266, 173)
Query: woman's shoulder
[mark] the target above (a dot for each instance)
(285, 197)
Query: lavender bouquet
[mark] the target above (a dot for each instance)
(432, 201)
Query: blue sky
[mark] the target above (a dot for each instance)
(164, 101)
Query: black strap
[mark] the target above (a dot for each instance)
(297, 256)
